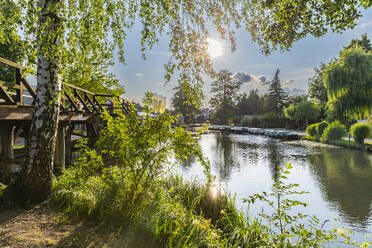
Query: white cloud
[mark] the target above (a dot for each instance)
(138, 74)
(365, 25)
(261, 83)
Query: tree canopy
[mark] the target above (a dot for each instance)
(317, 91)
(225, 96)
(183, 101)
(348, 81)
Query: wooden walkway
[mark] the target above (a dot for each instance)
(78, 107)
(77, 104)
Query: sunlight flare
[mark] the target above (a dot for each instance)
(215, 48)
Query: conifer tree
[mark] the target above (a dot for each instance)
(225, 96)
(276, 95)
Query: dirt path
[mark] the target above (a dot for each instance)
(42, 227)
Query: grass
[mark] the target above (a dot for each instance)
(343, 143)
(174, 212)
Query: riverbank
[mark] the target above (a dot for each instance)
(341, 144)
(274, 133)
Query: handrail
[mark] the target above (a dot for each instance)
(12, 64)
(80, 100)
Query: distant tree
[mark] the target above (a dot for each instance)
(317, 91)
(276, 96)
(249, 105)
(364, 43)
(183, 102)
(296, 99)
(302, 112)
(225, 96)
(10, 45)
(348, 81)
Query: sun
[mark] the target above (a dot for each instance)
(215, 48)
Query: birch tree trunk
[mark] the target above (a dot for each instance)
(35, 181)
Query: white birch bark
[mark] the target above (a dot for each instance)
(35, 182)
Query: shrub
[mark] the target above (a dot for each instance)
(268, 120)
(245, 122)
(311, 130)
(360, 131)
(320, 128)
(254, 122)
(335, 131)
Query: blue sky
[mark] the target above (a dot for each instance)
(296, 65)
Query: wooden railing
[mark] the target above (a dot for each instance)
(74, 99)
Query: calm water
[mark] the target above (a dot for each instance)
(340, 180)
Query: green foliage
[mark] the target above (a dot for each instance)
(280, 23)
(349, 83)
(276, 97)
(252, 104)
(302, 112)
(335, 131)
(2, 189)
(187, 100)
(289, 230)
(10, 43)
(360, 131)
(225, 97)
(364, 43)
(317, 91)
(245, 122)
(311, 130)
(124, 182)
(321, 126)
(268, 120)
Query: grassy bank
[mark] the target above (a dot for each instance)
(343, 143)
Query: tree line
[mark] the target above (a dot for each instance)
(338, 90)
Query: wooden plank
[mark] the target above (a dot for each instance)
(79, 89)
(72, 102)
(97, 103)
(76, 94)
(19, 98)
(12, 64)
(8, 85)
(86, 97)
(4, 94)
(22, 113)
(29, 88)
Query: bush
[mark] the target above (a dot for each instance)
(360, 131)
(245, 122)
(335, 131)
(311, 130)
(320, 128)
(268, 120)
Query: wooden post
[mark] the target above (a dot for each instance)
(20, 90)
(7, 154)
(7, 142)
(60, 153)
(70, 129)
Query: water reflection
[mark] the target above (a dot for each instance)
(340, 180)
(225, 156)
(346, 179)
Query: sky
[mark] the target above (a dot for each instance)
(296, 65)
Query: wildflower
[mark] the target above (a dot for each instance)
(222, 211)
(171, 189)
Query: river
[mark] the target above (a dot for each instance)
(339, 180)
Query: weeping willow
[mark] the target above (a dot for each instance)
(348, 81)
